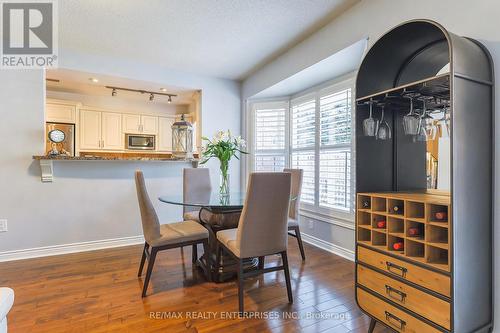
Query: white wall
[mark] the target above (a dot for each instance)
(372, 18)
(90, 201)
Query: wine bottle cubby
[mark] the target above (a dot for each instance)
(379, 205)
(413, 231)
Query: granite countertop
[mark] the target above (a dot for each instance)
(111, 158)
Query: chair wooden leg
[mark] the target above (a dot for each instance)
(240, 285)
(373, 322)
(261, 262)
(194, 253)
(287, 276)
(301, 246)
(206, 253)
(151, 263)
(143, 259)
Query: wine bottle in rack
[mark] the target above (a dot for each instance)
(398, 246)
(365, 204)
(413, 232)
(441, 216)
(381, 224)
(397, 209)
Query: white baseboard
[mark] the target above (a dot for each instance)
(125, 241)
(70, 248)
(327, 246)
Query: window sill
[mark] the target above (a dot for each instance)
(332, 219)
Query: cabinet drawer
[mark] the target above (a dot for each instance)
(426, 305)
(390, 315)
(418, 275)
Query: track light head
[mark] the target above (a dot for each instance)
(113, 92)
(169, 99)
(151, 97)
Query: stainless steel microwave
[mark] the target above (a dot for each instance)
(140, 142)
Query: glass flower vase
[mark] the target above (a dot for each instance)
(224, 179)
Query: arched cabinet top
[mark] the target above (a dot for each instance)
(418, 50)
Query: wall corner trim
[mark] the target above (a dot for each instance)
(329, 247)
(69, 248)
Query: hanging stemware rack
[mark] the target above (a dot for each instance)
(435, 91)
(419, 100)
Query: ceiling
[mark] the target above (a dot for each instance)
(77, 82)
(221, 38)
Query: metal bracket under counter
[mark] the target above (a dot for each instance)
(47, 163)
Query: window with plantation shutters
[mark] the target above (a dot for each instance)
(270, 136)
(313, 132)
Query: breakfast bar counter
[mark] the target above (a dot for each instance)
(112, 158)
(46, 162)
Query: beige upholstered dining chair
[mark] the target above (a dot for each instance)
(161, 237)
(196, 187)
(293, 214)
(262, 229)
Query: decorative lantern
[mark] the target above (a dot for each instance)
(182, 139)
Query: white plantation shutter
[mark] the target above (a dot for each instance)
(303, 141)
(335, 111)
(270, 136)
(270, 129)
(270, 163)
(304, 124)
(335, 180)
(305, 160)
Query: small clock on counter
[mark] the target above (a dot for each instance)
(57, 138)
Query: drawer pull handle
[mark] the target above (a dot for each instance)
(395, 294)
(391, 267)
(395, 321)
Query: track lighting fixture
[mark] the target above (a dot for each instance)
(152, 94)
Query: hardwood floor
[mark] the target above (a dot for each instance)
(99, 291)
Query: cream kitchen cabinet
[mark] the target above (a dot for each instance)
(140, 124)
(90, 129)
(101, 130)
(112, 135)
(149, 124)
(165, 133)
(132, 123)
(60, 113)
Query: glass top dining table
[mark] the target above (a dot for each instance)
(211, 201)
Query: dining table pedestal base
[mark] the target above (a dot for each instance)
(215, 221)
